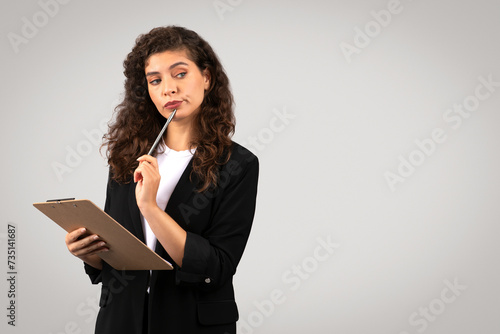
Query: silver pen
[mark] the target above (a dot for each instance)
(151, 151)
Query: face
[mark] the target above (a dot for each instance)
(175, 82)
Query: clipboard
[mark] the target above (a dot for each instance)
(126, 252)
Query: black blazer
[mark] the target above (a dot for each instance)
(199, 297)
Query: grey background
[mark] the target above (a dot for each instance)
(322, 171)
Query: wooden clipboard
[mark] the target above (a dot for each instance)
(126, 252)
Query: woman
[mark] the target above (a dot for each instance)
(193, 203)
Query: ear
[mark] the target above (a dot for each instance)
(206, 77)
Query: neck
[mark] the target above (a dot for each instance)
(178, 136)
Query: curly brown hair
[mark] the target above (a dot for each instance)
(138, 122)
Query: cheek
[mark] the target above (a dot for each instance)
(153, 96)
(200, 90)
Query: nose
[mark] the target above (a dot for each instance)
(169, 87)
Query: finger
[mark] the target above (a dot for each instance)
(98, 250)
(96, 246)
(146, 170)
(149, 159)
(90, 251)
(139, 171)
(138, 174)
(74, 235)
(88, 241)
(80, 244)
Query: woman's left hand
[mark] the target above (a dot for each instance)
(147, 176)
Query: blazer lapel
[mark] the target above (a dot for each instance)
(182, 191)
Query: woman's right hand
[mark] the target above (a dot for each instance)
(86, 247)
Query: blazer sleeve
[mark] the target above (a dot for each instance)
(94, 273)
(210, 259)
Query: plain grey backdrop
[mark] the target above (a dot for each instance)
(376, 124)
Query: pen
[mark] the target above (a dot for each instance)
(151, 151)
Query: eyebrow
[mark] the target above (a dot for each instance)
(171, 67)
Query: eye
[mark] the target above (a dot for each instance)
(181, 75)
(154, 82)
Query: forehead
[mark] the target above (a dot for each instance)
(166, 59)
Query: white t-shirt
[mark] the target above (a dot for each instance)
(171, 165)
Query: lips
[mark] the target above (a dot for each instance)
(173, 104)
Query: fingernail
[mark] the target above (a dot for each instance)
(83, 230)
(95, 237)
(102, 244)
